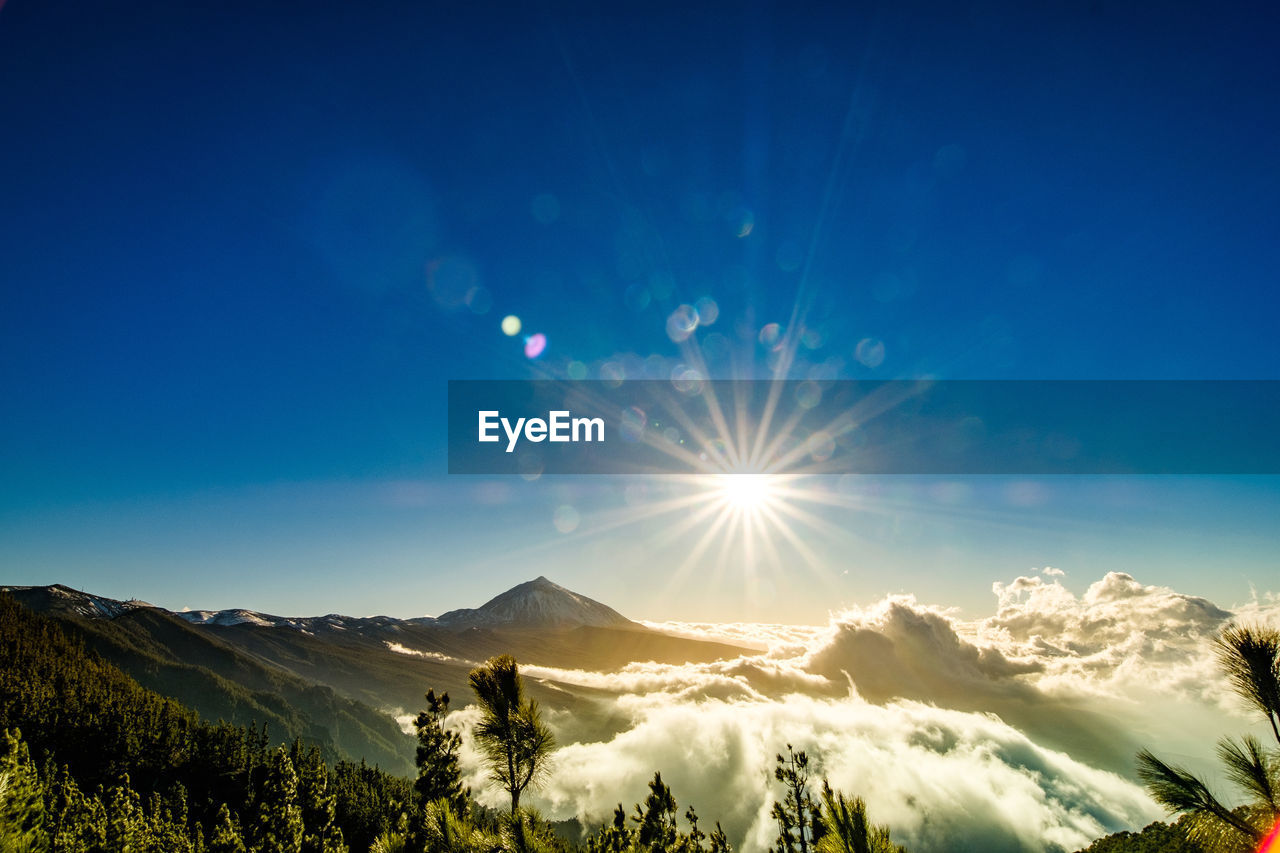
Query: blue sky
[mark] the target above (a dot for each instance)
(245, 247)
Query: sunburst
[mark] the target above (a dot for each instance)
(746, 493)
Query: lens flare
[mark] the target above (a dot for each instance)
(681, 323)
(566, 518)
(1271, 844)
(511, 325)
(535, 345)
(707, 309)
(870, 351)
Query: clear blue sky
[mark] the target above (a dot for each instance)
(237, 242)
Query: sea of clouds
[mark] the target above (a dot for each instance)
(1014, 732)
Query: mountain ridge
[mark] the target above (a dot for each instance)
(350, 679)
(538, 604)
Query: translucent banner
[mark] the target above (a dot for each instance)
(695, 426)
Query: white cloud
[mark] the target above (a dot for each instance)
(443, 658)
(1013, 732)
(1119, 635)
(937, 776)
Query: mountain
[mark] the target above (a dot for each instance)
(538, 604)
(345, 677)
(65, 601)
(217, 679)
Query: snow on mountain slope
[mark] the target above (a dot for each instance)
(64, 599)
(233, 617)
(538, 603)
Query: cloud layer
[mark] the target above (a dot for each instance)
(1011, 733)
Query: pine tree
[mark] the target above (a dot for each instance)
(168, 816)
(719, 842)
(77, 821)
(226, 837)
(443, 830)
(657, 821)
(693, 841)
(614, 838)
(515, 742)
(277, 818)
(127, 825)
(525, 831)
(393, 840)
(22, 814)
(318, 804)
(797, 815)
(438, 775)
(848, 829)
(369, 802)
(656, 830)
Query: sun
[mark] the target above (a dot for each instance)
(745, 492)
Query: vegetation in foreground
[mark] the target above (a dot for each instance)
(92, 761)
(1156, 837)
(1250, 657)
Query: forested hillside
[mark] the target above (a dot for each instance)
(94, 761)
(204, 672)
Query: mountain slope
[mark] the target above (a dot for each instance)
(197, 668)
(538, 604)
(102, 745)
(65, 601)
(325, 674)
